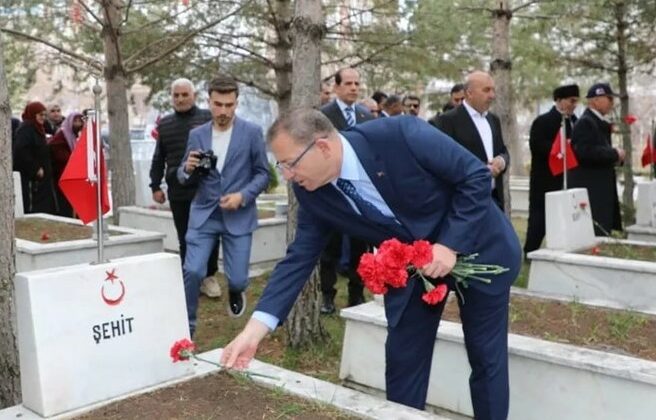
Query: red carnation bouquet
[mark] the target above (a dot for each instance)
(395, 263)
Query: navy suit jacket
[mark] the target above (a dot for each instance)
(437, 190)
(245, 170)
(336, 116)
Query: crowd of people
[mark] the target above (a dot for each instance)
(364, 170)
(42, 144)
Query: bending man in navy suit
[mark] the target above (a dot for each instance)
(224, 205)
(424, 186)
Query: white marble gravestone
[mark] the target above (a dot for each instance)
(18, 195)
(646, 206)
(569, 225)
(89, 333)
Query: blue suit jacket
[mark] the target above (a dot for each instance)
(245, 170)
(436, 188)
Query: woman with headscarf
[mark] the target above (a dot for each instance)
(61, 146)
(32, 160)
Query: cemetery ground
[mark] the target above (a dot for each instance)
(216, 396)
(623, 332)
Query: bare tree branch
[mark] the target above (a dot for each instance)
(92, 62)
(184, 40)
(90, 11)
(525, 5)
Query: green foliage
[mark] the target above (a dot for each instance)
(621, 324)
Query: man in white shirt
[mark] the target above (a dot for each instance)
(478, 130)
(223, 208)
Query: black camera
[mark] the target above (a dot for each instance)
(207, 162)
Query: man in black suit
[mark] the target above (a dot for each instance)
(591, 141)
(543, 132)
(478, 130)
(343, 112)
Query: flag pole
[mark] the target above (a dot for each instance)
(563, 149)
(650, 137)
(97, 90)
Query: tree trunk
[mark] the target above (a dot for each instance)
(304, 324)
(501, 69)
(9, 368)
(122, 174)
(628, 215)
(283, 54)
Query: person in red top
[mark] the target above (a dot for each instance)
(61, 146)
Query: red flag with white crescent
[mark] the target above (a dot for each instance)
(80, 177)
(556, 158)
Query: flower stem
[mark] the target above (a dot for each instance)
(234, 371)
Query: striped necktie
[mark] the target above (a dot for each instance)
(350, 118)
(366, 209)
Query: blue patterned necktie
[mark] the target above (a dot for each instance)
(368, 210)
(350, 118)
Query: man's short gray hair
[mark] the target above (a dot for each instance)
(304, 125)
(182, 82)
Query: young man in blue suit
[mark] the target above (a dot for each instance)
(223, 208)
(422, 185)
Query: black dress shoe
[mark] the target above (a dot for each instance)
(327, 307)
(236, 304)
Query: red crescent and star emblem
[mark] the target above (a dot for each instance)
(111, 277)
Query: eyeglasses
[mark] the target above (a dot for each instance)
(290, 166)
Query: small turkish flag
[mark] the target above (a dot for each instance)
(75, 182)
(154, 133)
(648, 153)
(556, 165)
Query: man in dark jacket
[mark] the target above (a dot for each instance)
(478, 130)
(343, 112)
(543, 131)
(173, 132)
(591, 141)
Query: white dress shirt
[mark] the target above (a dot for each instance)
(220, 144)
(483, 128)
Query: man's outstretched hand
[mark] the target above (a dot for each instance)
(239, 353)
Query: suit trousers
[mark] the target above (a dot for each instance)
(200, 242)
(180, 210)
(409, 351)
(329, 262)
(536, 227)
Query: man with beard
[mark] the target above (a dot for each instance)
(227, 157)
(543, 131)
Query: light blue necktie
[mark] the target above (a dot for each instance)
(350, 118)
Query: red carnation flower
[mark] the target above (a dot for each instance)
(370, 272)
(182, 350)
(436, 295)
(45, 236)
(630, 119)
(595, 250)
(394, 254)
(422, 253)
